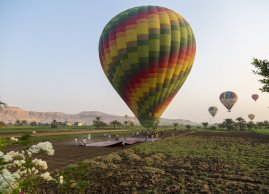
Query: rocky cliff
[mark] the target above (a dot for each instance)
(11, 114)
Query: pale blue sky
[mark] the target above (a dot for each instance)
(49, 57)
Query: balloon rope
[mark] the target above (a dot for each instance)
(105, 99)
(119, 66)
(109, 90)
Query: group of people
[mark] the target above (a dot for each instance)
(149, 136)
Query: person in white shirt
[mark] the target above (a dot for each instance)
(89, 136)
(123, 144)
(76, 141)
(84, 141)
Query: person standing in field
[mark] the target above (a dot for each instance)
(89, 136)
(151, 138)
(76, 141)
(123, 144)
(84, 141)
(117, 137)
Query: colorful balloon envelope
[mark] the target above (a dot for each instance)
(251, 116)
(213, 111)
(255, 97)
(228, 99)
(147, 53)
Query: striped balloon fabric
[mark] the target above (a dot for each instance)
(228, 99)
(147, 53)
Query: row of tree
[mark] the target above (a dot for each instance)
(239, 124)
(98, 123)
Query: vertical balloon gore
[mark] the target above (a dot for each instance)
(147, 53)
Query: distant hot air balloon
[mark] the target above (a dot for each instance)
(228, 99)
(147, 53)
(213, 110)
(255, 97)
(251, 116)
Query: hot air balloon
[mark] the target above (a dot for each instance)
(228, 99)
(251, 116)
(255, 97)
(213, 110)
(147, 53)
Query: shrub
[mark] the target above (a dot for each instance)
(25, 137)
(2, 124)
(213, 127)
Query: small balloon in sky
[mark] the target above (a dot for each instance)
(255, 97)
(251, 116)
(147, 53)
(213, 111)
(228, 99)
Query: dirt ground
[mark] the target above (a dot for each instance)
(66, 152)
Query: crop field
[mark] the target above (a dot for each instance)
(198, 162)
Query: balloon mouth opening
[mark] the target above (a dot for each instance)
(229, 111)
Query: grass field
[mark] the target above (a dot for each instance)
(202, 162)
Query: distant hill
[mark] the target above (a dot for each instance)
(11, 114)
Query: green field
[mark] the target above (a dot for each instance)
(203, 162)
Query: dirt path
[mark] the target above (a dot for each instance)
(66, 152)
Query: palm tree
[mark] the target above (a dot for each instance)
(241, 123)
(114, 123)
(175, 125)
(97, 122)
(188, 127)
(205, 124)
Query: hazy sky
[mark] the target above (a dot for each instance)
(49, 56)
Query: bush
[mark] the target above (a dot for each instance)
(188, 127)
(25, 137)
(213, 127)
(2, 124)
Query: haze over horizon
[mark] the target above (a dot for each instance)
(49, 57)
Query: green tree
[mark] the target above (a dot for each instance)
(250, 125)
(115, 123)
(229, 124)
(205, 124)
(175, 125)
(262, 69)
(188, 127)
(241, 123)
(97, 121)
(34, 123)
(125, 123)
(2, 124)
(266, 124)
(54, 124)
(260, 125)
(24, 123)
